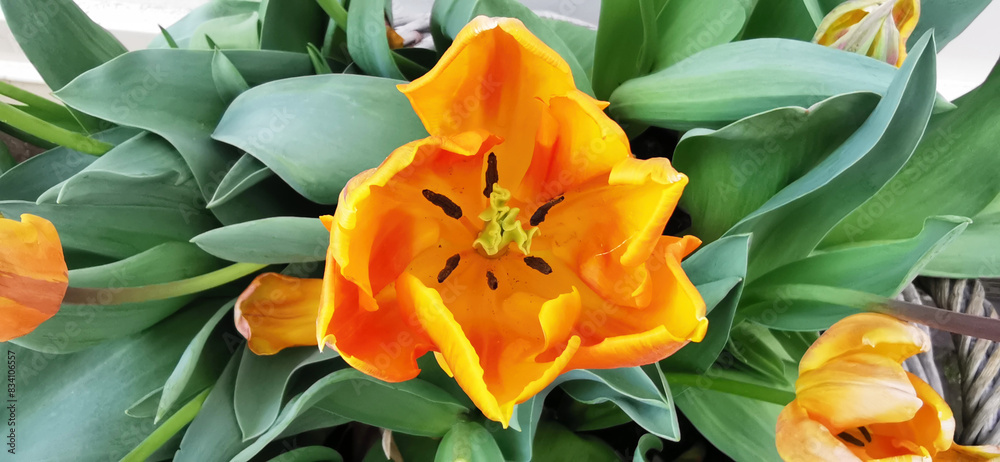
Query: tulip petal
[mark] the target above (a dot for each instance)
(399, 220)
(857, 390)
(504, 337)
(802, 439)
(496, 76)
(372, 334)
(866, 333)
(577, 143)
(932, 427)
(277, 312)
(33, 275)
(607, 229)
(624, 336)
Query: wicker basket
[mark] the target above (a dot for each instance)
(964, 370)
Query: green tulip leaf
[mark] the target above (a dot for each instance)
(952, 172)
(789, 19)
(627, 43)
(736, 169)
(55, 415)
(468, 441)
(581, 40)
(317, 132)
(721, 416)
(717, 271)
(261, 383)
(115, 231)
(555, 443)
(974, 253)
(289, 25)
(173, 94)
(351, 395)
(647, 442)
(246, 173)
(29, 179)
(881, 268)
(215, 433)
(59, 39)
(310, 454)
(729, 82)
(199, 367)
(790, 225)
(184, 30)
(266, 241)
(686, 27)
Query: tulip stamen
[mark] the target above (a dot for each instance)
(538, 264)
(849, 438)
(492, 175)
(491, 280)
(502, 226)
(448, 206)
(539, 216)
(449, 266)
(864, 433)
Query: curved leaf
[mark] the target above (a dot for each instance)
(289, 25)
(881, 268)
(647, 442)
(736, 169)
(59, 39)
(952, 172)
(197, 369)
(261, 383)
(266, 241)
(318, 132)
(29, 179)
(793, 222)
(627, 43)
(732, 81)
(56, 416)
(468, 441)
(686, 27)
(717, 271)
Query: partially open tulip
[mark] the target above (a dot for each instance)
(875, 28)
(854, 401)
(520, 240)
(33, 275)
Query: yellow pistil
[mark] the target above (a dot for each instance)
(502, 226)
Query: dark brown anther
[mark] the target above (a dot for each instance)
(491, 280)
(539, 215)
(449, 266)
(450, 208)
(864, 433)
(492, 175)
(538, 264)
(849, 438)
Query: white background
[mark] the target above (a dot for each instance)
(962, 65)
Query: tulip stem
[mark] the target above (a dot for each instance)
(946, 320)
(108, 296)
(34, 126)
(168, 429)
(732, 387)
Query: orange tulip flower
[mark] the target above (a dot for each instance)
(520, 240)
(854, 401)
(33, 275)
(875, 28)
